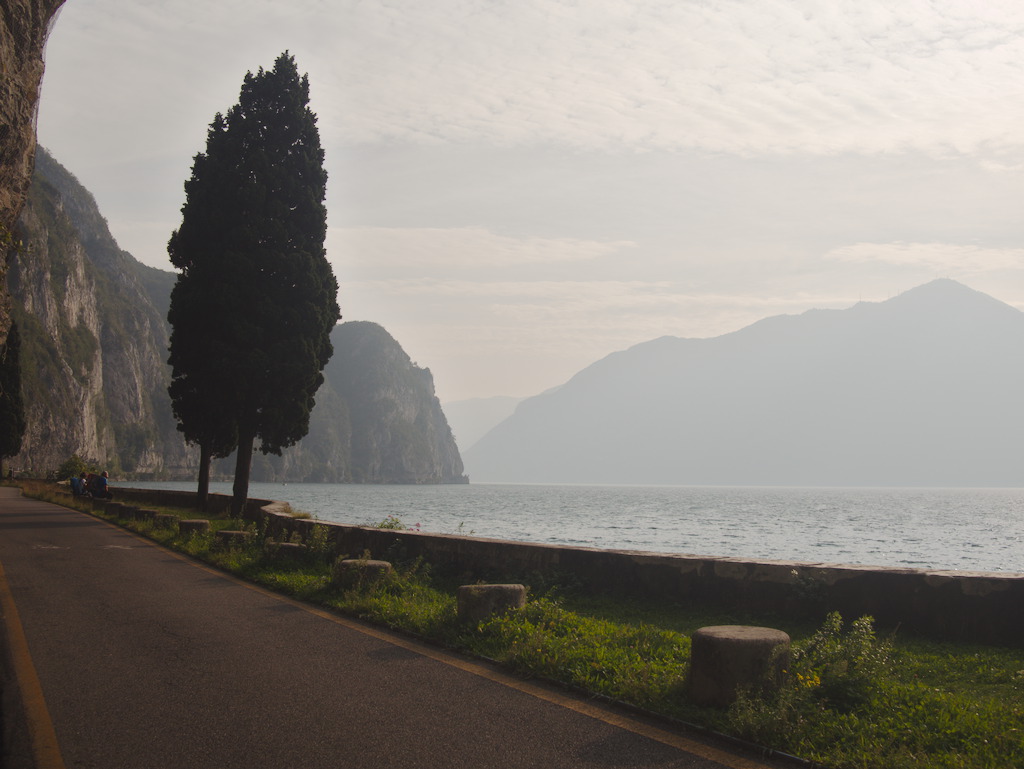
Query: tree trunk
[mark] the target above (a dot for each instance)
(243, 464)
(203, 492)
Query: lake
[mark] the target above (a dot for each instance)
(947, 529)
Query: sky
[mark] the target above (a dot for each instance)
(518, 188)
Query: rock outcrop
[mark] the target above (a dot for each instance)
(24, 26)
(377, 420)
(94, 344)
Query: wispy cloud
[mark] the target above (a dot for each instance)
(426, 250)
(737, 76)
(741, 77)
(946, 258)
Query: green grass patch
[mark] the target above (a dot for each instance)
(851, 699)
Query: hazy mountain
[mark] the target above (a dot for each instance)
(472, 419)
(376, 420)
(924, 389)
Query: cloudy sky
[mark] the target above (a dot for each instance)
(520, 187)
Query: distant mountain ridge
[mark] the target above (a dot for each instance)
(926, 389)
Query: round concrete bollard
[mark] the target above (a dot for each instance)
(727, 658)
(194, 526)
(478, 602)
(165, 520)
(229, 538)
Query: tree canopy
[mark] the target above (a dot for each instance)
(256, 298)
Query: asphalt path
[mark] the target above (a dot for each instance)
(130, 656)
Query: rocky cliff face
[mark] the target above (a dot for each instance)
(24, 25)
(94, 346)
(399, 433)
(376, 420)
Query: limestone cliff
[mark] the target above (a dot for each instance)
(94, 344)
(399, 433)
(376, 420)
(24, 26)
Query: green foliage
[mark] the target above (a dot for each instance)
(394, 523)
(256, 299)
(843, 666)
(405, 599)
(74, 466)
(640, 664)
(834, 673)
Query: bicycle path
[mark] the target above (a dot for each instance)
(144, 659)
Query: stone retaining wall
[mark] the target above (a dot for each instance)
(964, 606)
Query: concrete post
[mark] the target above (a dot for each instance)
(727, 658)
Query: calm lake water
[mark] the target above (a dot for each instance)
(959, 529)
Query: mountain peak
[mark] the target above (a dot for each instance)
(943, 289)
(920, 390)
(949, 299)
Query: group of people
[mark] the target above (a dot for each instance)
(91, 485)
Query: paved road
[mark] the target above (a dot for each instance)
(144, 660)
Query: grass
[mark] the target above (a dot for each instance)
(851, 699)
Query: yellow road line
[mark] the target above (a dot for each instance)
(42, 737)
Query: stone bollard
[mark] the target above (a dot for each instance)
(228, 539)
(350, 572)
(727, 658)
(194, 526)
(165, 520)
(127, 512)
(478, 602)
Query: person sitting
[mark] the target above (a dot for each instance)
(77, 485)
(99, 487)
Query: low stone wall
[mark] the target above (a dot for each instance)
(964, 606)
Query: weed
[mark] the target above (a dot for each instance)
(394, 523)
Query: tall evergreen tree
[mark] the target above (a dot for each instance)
(12, 405)
(256, 298)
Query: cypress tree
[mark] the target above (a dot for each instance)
(256, 299)
(12, 404)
